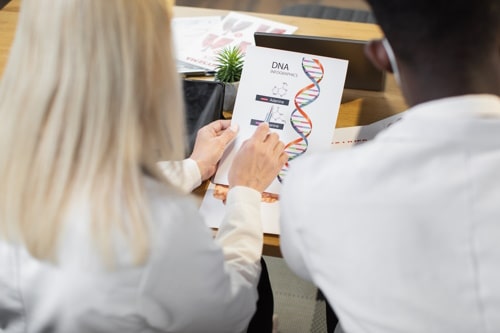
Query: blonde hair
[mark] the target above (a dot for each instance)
(89, 101)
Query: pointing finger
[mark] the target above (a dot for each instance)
(261, 131)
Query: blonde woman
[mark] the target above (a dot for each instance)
(92, 237)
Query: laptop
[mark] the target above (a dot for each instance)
(187, 69)
(361, 73)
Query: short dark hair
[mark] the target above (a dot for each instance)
(422, 30)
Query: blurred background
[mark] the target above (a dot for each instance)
(269, 6)
(261, 6)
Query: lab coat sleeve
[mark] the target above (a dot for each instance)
(240, 234)
(292, 225)
(185, 174)
(242, 215)
(191, 283)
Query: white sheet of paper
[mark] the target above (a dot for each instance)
(187, 31)
(235, 30)
(350, 136)
(297, 94)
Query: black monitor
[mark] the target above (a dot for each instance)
(361, 73)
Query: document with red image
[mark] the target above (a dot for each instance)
(235, 29)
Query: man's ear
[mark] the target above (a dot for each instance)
(376, 53)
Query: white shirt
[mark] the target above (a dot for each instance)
(402, 234)
(190, 282)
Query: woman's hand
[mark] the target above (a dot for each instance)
(211, 141)
(258, 161)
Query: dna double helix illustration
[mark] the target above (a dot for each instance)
(299, 120)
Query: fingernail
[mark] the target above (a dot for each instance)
(234, 127)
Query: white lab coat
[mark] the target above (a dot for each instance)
(402, 234)
(190, 282)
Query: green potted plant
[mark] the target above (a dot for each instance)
(228, 70)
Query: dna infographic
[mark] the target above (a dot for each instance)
(297, 94)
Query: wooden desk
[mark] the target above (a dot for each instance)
(8, 20)
(358, 107)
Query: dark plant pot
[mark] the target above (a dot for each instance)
(230, 92)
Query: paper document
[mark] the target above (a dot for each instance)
(350, 136)
(186, 32)
(297, 94)
(213, 209)
(235, 29)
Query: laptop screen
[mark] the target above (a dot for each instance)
(361, 73)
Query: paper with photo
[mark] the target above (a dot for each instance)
(213, 210)
(235, 29)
